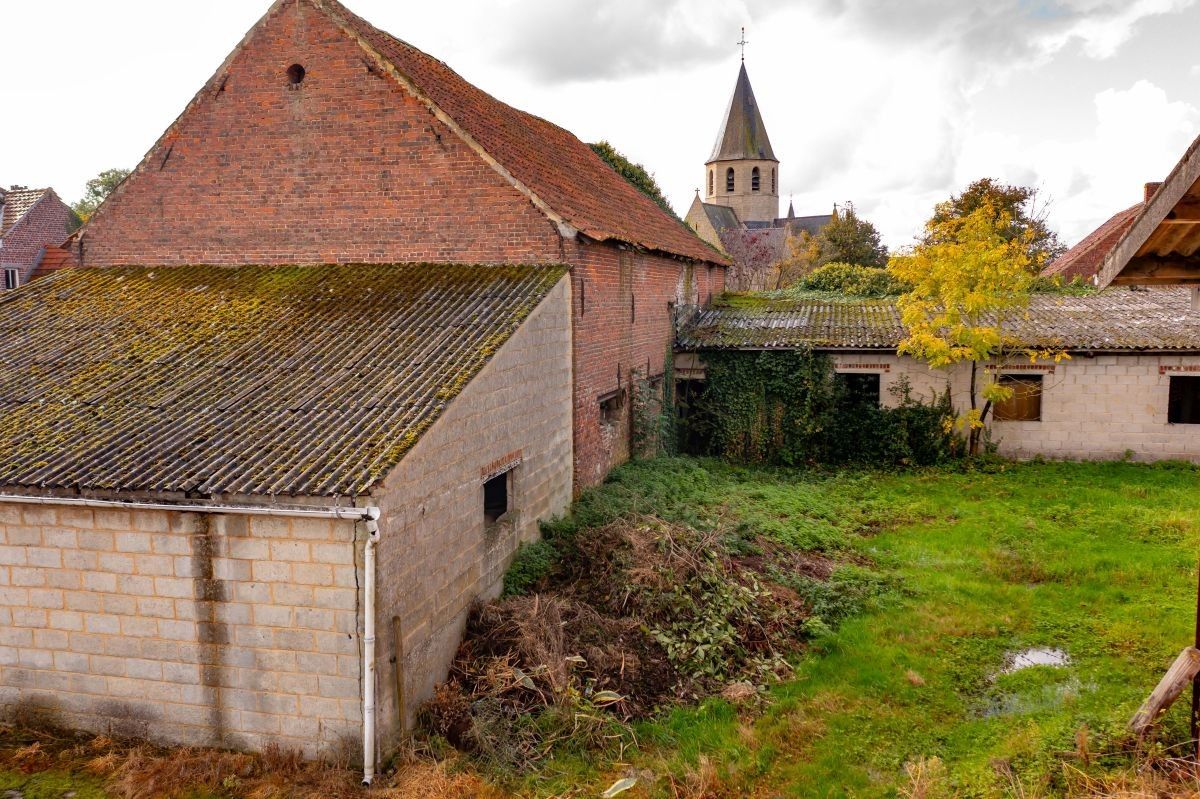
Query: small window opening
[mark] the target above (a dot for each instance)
(496, 498)
(1025, 404)
(861, 389)
(295, 74)
(711, 178)
(612, 407)
(755, 180)
(1183, 407)
(729, 181)
(774, 189)
(12, 278)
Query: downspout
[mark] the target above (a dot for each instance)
(368, 667)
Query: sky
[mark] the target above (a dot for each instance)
(893, 105)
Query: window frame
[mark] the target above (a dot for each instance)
(504, 479)
(612, 407)
(1015, 380)
(1174, 401)
(856, 397)
(756, 180)
(730, 181)
(12, 278)
(712, 182)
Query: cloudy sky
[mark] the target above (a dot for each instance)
(891, 104)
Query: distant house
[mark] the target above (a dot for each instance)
(1132, 383)
(31, 222)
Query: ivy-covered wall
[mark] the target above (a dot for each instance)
(790, 408)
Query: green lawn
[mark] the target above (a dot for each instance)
(946, 573)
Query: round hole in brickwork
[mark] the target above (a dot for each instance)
(295, 74)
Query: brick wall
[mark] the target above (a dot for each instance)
(344, 168)
(44, 225)
(435, 556)
(182, 628)
(623, 325)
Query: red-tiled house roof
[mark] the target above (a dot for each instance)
(53, 259)
(1084, 259)
(557, 168)
(15, 204)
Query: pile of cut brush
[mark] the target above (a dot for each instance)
(633, 617)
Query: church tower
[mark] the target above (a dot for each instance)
(743, 172)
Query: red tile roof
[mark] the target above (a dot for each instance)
(16, 204)
(53, 259)
(558, 168)
(1085, 258)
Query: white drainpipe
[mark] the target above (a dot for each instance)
(370, 515)
(368, 667)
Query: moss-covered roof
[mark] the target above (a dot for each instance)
(1160, 320)
(281, 380)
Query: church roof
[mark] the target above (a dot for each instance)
(743, 134)
(261, 380)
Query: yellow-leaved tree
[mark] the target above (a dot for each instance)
(970, 279)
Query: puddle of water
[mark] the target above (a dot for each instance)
(1037, 656)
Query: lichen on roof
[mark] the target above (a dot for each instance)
(289, 380)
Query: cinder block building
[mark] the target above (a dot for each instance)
(346, 334)
(1130, 387)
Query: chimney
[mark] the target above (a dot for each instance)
(1150, 190)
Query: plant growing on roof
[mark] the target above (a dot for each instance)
(970, 277)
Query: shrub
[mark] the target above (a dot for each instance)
(853, 280)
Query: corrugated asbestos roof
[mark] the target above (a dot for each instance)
(743, 134)
(551, 161)
(242, 380)
(16, 204)
(1114, 320)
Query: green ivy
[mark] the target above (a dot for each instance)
(789, 408)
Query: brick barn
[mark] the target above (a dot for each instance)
(285, 344)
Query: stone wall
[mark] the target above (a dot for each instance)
(228, 631)
(437, 554)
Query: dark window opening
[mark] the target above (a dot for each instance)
(756, 180)
(12, 278)
(860, 388)
(496, 498)
(711, 178)
(1025, 404)
(612, 407)
(295, 74)
(693, 435)
(729, 181)
(774, 189)
(1183, 407)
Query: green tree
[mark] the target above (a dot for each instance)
(635, 174)
(802, 254)
(1024, 218)
(970, 278)
(849, 239)
(96, 190)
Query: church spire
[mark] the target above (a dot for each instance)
(743, 135)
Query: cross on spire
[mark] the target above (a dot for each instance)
(743, 44)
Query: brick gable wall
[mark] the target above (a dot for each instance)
(346, 167)
(45, 225)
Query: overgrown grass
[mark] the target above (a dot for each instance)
(959, 569)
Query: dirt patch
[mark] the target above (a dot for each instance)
(639, 615)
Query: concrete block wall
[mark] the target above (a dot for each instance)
(437, 556)
(189, 629)
(1099, 407)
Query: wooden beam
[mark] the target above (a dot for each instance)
(1160, 271)
(1185, 211)
(1179, 676)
